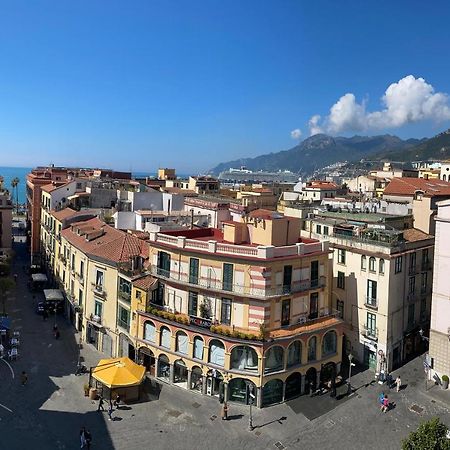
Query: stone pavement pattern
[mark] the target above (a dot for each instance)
(48, 412)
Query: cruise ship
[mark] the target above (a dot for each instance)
(244, 174)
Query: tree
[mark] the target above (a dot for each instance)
(6, 284)
(14, 184)
(431, 435)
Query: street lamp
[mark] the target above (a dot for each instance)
(251, 399)
(349, 389)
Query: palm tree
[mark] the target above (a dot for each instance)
(14, 184)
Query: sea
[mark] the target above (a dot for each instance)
(8, 173)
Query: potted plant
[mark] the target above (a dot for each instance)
(445, 381)
(86, 390)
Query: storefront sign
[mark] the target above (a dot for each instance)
(200, 322)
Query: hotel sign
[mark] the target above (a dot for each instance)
(200, 322)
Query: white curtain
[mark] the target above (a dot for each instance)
(149, 332)
(165, 338)
(182, 343)
(198, 348)
(294, 353)
(217, 354)
(274, 358)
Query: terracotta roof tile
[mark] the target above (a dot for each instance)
(63, 213)
(413, 235)
(145, 283)
(408, 186)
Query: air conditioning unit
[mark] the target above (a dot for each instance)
(97, 319)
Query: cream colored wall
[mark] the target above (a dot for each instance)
(422, 213)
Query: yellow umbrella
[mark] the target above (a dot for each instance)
(118, 372)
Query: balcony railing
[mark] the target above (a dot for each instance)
(371, 302)
(123, 324)
(427, 265)
(99, 290)
(412, 296)
(370, 332)
(412, 270)
(124, 296)
(219, 285)
(80, 278)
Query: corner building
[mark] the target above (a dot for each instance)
(238, 311)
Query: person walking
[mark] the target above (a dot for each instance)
(225, 411)
(23, 378)
(381, 400)
(398, 383)
(117, 401)
(385, 406)
(100, 404)
(88, 437)
(110, 410)
(83, 440)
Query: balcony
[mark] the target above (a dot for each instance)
(371, 303)
(370, 332)
(424, 290)
(412, 270)
(218, 285)
(427, 265)
(125, 296)
(412, 297)
(80, 278)
(95, 318)
(123, 324)
(98, 290)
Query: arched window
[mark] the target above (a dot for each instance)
(294, 354)
(274, 359)
(216, 353)
(244, 357)
(444, 177)
(198, 347)
(272, 392)
(372, 263)
(329, 343)
(363, 262)
(182, 342)
(381, 266)
(149, 331)
(312, 349)
(165, 337)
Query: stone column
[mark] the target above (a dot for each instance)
(259, 397)
(318, 379)
(171, 374)
(204, 381)
(302, 385)
(284, 390)
(156, 367)
(225, 392)
(189, 379)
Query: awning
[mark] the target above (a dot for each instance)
(118, 372)
(53, 295)
(5, 323)
(39, 277)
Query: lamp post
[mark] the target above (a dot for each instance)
(251, 398)
(349, 389)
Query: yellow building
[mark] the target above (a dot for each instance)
(238, 313)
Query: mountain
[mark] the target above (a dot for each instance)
(319, 151)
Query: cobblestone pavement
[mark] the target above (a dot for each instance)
(48, 412)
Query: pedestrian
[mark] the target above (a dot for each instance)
(23, 378)
(398, 383)
(110, 410)
(381, 400)
(88, 437)
(2, 350)
(385, 406)
(225, 411)
(100, 404)
(44, 315)
(15, 277)
(117, 401)
(83, 440)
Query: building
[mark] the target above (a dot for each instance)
(238, 312)
(166, 174)
(6, 209)
(368, 185)
(204, 184)
(382, 274)
(445, 171)
(422, 195)
(440, 309)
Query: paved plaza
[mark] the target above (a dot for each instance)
(48, 412)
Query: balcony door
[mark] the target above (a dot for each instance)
(314, 305)
(314, 274)
(287, 279)
(163, 264)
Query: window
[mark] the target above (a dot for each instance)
(412, 285)
(341, 256)
(198, 347)
(99, 278)
(225, 316)
(165, 337)
(314, 305)
(193, 271)
(341, 280)
(274, 359)
(163, 267)
(98, 309)
(372, 264)
(192, 303)
(371, 324)
(329, 343)
(425, 259)
(319, 229)
(244, 358)
(314, 274)
(182, 343)
(80, 297)
(216, 353)
(363, 262)
(325, 230)
(124, 289)
(285, 312)
(312, 346)
(227, 279)
(340, 308)
(81, 269)
(381, 266)
(398, 264)
(294, 354)
(411, 314)
(123, 318)
(149, 331)
(424, 283)
(287, 279)
(412, 263)
(371, 292)
(72, 265)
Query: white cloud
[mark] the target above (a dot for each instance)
(296, 134)
(407, 101)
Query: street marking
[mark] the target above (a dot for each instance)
(3, 406)
(9, 365)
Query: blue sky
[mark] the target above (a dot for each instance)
(188, 84)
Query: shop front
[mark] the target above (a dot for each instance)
(239, 390)
(147, 359)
